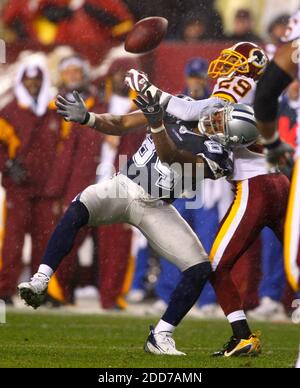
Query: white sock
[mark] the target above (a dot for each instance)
(238, 315)
(45, 270)
(164, 326)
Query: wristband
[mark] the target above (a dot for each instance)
(158, 130)
(271, 140)
(89, 120)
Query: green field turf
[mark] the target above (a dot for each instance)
(58, 340)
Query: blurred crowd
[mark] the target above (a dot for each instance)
(45, 161)
(97, 21)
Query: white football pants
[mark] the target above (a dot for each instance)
(119, 199)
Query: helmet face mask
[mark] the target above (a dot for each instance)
(244, 58)
(227, 64)
(232, 125)
(212, 123)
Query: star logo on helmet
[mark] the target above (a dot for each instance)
(234, 139)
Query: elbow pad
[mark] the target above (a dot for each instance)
(269, 88)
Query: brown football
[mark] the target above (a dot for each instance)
(146, 34)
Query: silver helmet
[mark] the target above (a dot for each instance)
(232, 125)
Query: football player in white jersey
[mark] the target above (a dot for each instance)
(256, 190)
(281, 71)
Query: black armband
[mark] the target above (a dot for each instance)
(273, 145)
(86, 119)
(269, 88)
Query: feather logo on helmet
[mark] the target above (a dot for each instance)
(257, 58)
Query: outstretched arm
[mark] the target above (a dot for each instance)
(184, 110)
(118, 125)
(107, 123)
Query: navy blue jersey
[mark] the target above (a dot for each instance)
(162, 181)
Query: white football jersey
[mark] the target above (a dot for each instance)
(235, 89)
(248, 164)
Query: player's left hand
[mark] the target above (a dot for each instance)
(152, 110)
(138, 80)
(280, 154)
(72, 111)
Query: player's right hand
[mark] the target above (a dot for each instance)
(152, 110)
(72, 111)
(138, 81)
(280, 154)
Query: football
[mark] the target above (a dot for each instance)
(146, 35)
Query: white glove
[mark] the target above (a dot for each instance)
(138, 81)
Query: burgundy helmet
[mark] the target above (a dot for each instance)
(244, 58)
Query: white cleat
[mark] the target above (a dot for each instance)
(34, 292)
(161, 344)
